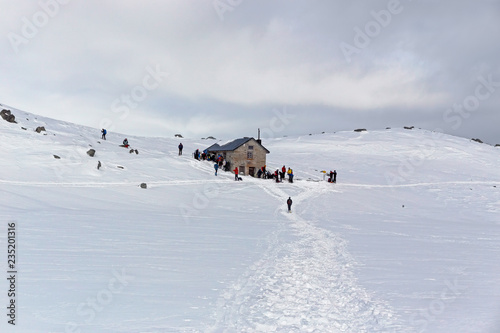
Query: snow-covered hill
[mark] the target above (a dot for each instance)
(408, 240)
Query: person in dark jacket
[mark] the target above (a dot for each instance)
(289, 203)
(104, 132)
(259, 173)
(125, 143)
(216, 167)
(334, 180)
(180, 148)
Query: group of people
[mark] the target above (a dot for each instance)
(103, 136)
(333, 176)
(203, 156)
(220, 163)
(278, 175)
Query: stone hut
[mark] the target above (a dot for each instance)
(248, 154)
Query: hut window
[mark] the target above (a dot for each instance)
(250, 155)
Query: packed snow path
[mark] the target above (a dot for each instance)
(306, 285)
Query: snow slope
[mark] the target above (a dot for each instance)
(408, 239)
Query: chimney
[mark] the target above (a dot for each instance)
(258, 139)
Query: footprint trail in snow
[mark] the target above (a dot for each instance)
(304, 285)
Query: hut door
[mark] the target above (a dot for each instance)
(251, 171)
(242, 170)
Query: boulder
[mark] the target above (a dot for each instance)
(497, 145)
(40, 129)
(8, 116)
(144, 185)
(360, 130)
(120, 167)
(409, 127)
(477, 140)
(91, 152)
(131, 151)
(57, 157)
(178, 136)
(136, 152)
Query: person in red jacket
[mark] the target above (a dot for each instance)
(235, 173)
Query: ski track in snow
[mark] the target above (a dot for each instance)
(190, 182)
(307, 285)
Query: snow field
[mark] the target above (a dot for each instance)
(406, 241)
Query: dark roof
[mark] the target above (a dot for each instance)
(233, 145)
(213, 147)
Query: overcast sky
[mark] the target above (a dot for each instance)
(227, 67)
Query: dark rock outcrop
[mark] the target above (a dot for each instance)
(91, 152)
(360, 130)
(144, 185)
(57, 157)
(40, 129)
(8, 116)
(477, 140)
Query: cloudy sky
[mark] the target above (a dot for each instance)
(227, 67)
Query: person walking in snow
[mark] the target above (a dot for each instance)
(216, 167)
(334, 173)
(283, 173)
(235, 173)
(180, 148)
(290, 175)
(289, 203)
(104, 132)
